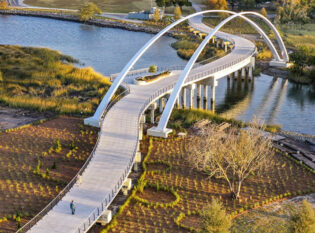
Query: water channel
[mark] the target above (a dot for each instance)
(107, 50)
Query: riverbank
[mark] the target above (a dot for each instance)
(104, 22)
(45, 80)
(264, 67)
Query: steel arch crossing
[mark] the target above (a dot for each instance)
(95, 119)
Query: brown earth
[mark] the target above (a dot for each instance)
(154, 196)
(21, 189)
(197, 190)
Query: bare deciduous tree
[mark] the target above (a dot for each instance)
(232, 155)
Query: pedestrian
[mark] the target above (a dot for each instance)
(78, 180)
(72, 207)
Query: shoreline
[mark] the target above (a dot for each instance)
(96, 22)
(264, 65)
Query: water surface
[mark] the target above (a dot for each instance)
(107, 50)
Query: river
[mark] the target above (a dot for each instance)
(107, 50)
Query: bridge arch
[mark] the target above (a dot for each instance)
(95, 119)
(161, 128)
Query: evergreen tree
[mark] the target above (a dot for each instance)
(264, 12)
(88, 11)
(156, 15)
(177, 13)
(4, 5)
(214, 219)
(303, 220)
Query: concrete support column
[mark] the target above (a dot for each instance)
(205, 96)
(228, 84)
(250, 72)
(213, 84)
(192, 88)
(243, 73)
(218, 43)
(213, 98)
(152, 115)
(161, 104)
(253, 62)
(180, 99)
(152, 110)
(213, 40)
(142, 122)
(236, 74)
(199, 96)
(177, 103)
(184, 94)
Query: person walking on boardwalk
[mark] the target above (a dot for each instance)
(79, 180)
(72, 207)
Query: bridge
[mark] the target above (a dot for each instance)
(117, 148)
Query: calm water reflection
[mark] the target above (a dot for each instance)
(107, 50)
(274, 100)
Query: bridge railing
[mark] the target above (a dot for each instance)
(107, 200)
(97, 212)
(199, 75)
(66, 189)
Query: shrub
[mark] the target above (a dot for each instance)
(4, 5)
(214, 219)
(303, 220)
(152, 69)
(54, 166)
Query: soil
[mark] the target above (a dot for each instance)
(196, 190)
(272, 71)
(24, 191)
(191, 221)
(154, 196)
(274, 217)
(15, 117)
(156, 167)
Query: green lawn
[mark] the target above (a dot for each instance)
(122, 6)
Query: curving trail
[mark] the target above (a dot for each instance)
(118, 142)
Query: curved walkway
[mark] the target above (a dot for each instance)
(119, 141)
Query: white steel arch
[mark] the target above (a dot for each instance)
(181, 80)
(95, 119)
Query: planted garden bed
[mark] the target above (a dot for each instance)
(151, 78)
(36, 163)
(283, 180)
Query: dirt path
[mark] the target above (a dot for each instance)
(14, 117)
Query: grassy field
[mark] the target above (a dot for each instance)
(43, 79)
(121, 6)
(186, 46)
(237, 26)
(29, 180)
(174, 193)
(298, 35)
(275, 216)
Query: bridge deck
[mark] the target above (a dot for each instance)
(118, 141)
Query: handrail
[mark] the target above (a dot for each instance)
(107, 200)
(63, 192)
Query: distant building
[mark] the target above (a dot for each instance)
(145, 15)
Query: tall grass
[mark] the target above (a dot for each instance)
(43, 79)
(184, 118)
